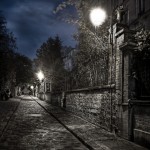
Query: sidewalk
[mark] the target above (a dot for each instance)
(92, 136)
(7, 108)
(30, 127)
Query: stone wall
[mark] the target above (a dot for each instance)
(52, 98)
(141, 123)
(41, 96)
(94, 105)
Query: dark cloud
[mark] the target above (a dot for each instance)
(33, 21)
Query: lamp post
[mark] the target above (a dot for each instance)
(97, 18)
(40, 76)
(32, 89)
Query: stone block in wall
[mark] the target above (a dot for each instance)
(141, 137)
(142, 118)
(93, 106)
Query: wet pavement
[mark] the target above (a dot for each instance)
(7, 109)
(32, 128)
(32, 124)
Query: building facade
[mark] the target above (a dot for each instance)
(132, 71)
(122, 106)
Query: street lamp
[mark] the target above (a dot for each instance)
(32, 87)
(40, 75)
(41, 87)
(97, 16)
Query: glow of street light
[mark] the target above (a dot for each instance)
(40, 75)
(31, 87)
(97, 16)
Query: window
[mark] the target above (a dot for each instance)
(124, 17)
(143, 71)
(48, 89)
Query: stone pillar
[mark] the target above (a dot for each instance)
(124, 50)
(118, 79)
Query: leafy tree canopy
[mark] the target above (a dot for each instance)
(24, 70)
(49, 60)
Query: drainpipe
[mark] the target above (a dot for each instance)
(111, 63)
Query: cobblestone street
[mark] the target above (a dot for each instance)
(28, 123)
(31, 128)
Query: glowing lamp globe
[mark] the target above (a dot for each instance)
(97, 16)
(40, 75)
(32, 87)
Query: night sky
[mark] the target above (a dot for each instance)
(33, 21)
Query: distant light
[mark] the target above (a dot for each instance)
(40, 75)
(32, 87)
(97, 16)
